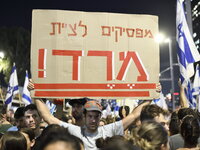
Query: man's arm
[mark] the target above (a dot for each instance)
(127, 121)
(183, 98)
(45, 113)
(42, 108)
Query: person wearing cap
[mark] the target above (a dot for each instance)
(77, 110)
(91, 129)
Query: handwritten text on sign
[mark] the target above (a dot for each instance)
(82, 54)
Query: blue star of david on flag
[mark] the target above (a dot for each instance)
(187, 51)
(12, 87)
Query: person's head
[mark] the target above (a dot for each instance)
(13, 140)
(186, 111)
(19, 117)
(55, 137)
(116, 142)
(10, 116)
(190, 131)
(77, 107)
(124, 111)
(151, 135)
(92, 112)
(31, 116)
(156, 113)
(102, 122)
(174, 124)
(29, 135)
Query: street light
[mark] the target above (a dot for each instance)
(160, 38)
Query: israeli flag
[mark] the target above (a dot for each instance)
(187, 51)
(26, 98)
(12, 87)
(51, 106)
(160, 102)
(196, 83)
(196, 87)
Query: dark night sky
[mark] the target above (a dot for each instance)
(18, 13)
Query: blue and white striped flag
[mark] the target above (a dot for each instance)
(187, 51)
(26, 98)
(196, 83)
(160, 102)
(12, 87)
(196, 87)
(51, 106)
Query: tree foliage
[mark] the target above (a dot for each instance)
(15, 43)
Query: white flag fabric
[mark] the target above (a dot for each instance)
(196, 88)
(26, 98)
(187, 51)
(13, 88)
(196, 83)
(161, 102)
(51, 106)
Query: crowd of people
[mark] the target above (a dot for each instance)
(146, 127)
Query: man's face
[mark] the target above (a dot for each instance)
(77, 111)
(32, 119)
(162, 120)
(92, 119)
(20, 123)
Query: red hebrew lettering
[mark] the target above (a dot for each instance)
(104, 33)
(148, 32)
(139, 33)
(85, 27)
(76, 61)
(42, 63)
(54, 24)
(116, 33)
(73, 30)
(130, 32)
(109, 55)
(126, 63)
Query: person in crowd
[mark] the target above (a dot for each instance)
(190, 131)
(77, 110)
(91, 130)
(151, 135)
(60, 141)
(114, 143)
(13, 140)
(19, 119)
(4, 124)
(92, 114)
(48, 136)
(124, 111)
(102, 122)
(32, 118)
(176, 141)
(156, 113)
(30, 137)
(174, 124)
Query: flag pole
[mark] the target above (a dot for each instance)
(3, 100)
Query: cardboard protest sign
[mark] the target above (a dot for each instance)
(101, 55)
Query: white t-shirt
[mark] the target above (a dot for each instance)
(89, 139)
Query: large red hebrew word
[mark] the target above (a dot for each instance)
(131, 56)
